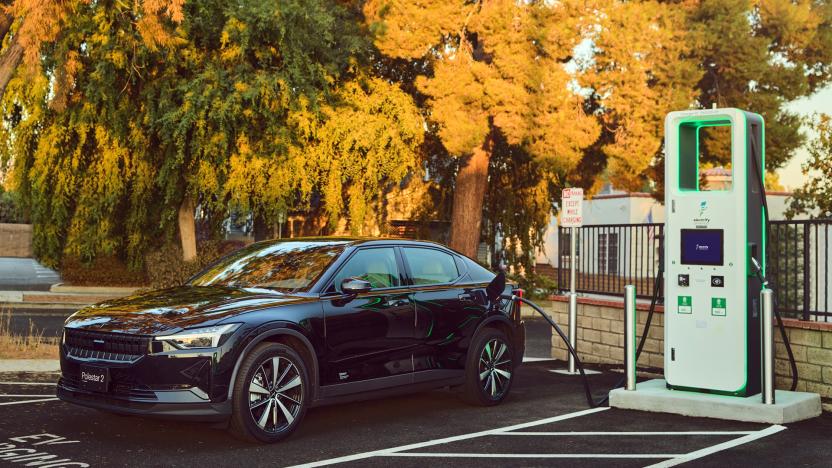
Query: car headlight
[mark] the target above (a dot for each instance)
(204, 337)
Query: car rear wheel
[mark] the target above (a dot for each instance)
(270, 394)
(490, 369)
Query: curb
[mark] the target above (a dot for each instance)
(94, 290)
(47, 298)
(11, 296)
(44, 307)
(30, 365)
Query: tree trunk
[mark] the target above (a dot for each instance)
(469, 197)
(9, 60)
(6, 21)
(261, 228)
(187, 229)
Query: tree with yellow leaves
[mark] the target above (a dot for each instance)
(496, 74)
(649, 57)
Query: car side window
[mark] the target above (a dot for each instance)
(376, 266)
(430, 266)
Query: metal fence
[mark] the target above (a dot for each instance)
(611, 256)
(799, 264)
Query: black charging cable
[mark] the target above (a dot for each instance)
(587, 390)
(590, 401)
(759, 269)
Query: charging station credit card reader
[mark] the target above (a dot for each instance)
(712, 326)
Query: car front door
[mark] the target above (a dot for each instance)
(370, 336)
(447, 312)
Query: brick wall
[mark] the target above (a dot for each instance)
(15, 240)
(601, 340)
(812, 347)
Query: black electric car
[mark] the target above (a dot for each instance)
(279, 326)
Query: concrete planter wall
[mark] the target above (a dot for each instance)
(15, 240)
(601, 340)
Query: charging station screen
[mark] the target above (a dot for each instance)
(702, 246)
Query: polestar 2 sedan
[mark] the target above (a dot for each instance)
(280, 326)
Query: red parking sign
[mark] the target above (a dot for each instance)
(571, 213)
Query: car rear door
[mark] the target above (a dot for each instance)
(371, 336)
(447, 312)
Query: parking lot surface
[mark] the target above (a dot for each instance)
(544, 422)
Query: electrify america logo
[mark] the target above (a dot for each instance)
(702, 220)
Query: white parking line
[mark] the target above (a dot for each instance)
(534, 455)
(5, 395)
(27, 401)
(537, 359)
(671, 459)
(635, 433)
(719, 447)
(385, 452)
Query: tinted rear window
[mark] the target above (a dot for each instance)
(477, 272)
(430, 266)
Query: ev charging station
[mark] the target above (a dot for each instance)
(712, 309)
(714, 263)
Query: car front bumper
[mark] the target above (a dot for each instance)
(178, 404)
(181, 385)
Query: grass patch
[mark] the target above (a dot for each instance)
(33, 345)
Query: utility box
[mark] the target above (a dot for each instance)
(712, 313)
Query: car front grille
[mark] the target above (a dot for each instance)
(117, 347)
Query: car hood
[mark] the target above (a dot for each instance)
(167, 310)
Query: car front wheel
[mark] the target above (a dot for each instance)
(490, 368)
(270, 394)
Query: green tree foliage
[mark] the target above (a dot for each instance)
(228, 104)
(367, 137)
(9, 210)
(815, 197)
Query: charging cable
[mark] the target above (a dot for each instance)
(759, 269)
(587, 390)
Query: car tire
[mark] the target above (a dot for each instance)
(270, 394)
(489, 370)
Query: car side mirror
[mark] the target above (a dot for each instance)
(353, 286)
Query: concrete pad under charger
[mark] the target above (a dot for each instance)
(654, 396)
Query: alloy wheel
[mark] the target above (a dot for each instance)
(494, 368)
(275, 394)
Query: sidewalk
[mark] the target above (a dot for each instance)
(30, 365)
(63, 295)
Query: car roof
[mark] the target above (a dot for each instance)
(360, 241)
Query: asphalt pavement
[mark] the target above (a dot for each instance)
(25, 274)
(48, 321)
(545, 421)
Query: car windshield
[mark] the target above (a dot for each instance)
(289, 266)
